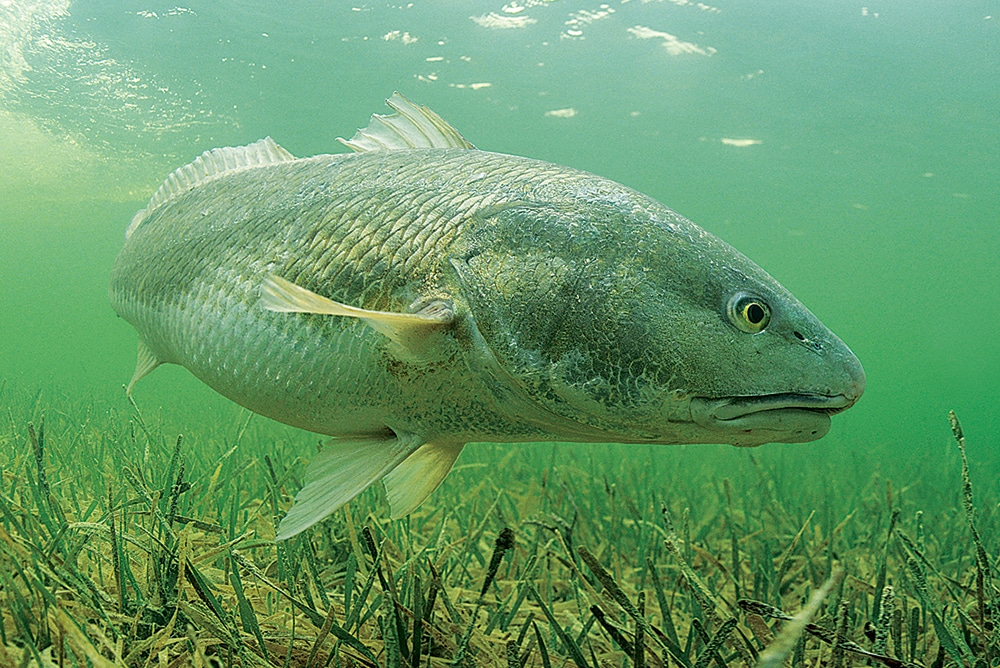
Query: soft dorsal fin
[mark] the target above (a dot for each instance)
(412, 126)
(208, 165)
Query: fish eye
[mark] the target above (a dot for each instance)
(749, 313)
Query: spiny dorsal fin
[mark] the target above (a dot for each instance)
(412, 126)
(209, 165)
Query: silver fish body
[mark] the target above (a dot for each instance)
(488, 297)
(375, 230)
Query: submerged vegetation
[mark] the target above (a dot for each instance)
(123, 545)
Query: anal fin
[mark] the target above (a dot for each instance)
(145, 362)
(418, 475)
(344, 469)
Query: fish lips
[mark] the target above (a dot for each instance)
(771, 418)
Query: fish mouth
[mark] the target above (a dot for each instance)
(772, 418)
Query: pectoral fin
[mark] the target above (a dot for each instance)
(406, 329)
(145, 362)
(411, 482)
(344, 469)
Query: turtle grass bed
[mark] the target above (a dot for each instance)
(123, 545)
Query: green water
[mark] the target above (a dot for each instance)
(873, 193)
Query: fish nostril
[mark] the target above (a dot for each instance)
(815, 345)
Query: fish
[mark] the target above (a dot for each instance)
(418, 294)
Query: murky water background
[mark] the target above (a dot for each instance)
(851, 149)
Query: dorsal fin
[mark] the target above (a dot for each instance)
(208, 165)
(412, 126)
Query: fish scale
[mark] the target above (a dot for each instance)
(339, 250)
(421, 294)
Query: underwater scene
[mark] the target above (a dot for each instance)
(480, 301)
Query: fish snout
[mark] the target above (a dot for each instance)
(857, 386)
(854, 378)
